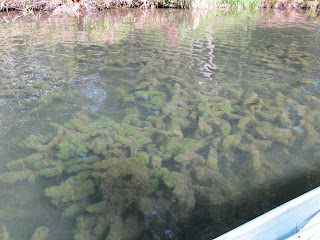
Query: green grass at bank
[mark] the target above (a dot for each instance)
(237, 3)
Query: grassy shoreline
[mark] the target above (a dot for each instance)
(64, 6)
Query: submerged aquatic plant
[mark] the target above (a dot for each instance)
(178, 144)
(124, 163)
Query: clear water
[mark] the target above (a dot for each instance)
(185, 123)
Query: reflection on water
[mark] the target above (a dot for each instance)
(162, 124)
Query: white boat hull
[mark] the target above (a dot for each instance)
(296, 219)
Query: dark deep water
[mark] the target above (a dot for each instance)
(162, 124)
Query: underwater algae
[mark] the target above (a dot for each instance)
(180, 143)
(153, 169)
(41, 233)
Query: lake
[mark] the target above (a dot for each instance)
(155, 124)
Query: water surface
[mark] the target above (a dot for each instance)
(162, 124)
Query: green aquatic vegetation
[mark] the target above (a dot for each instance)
(268, 116)
(13, 176)
(297, 59)
(57, 138)
(156, 162)
(212, 160)
(82, 148)
(132, 144)
(70, 191)
(78, 168)
(167, 182)
(177, 122)
(31, 167)
(76, 124)
(283, 135)
(91, 159)
(203, 107)
(278, 85)
(142, 94)
(73, 161)
(51, 172)
(84, 175)
(159, 136)
(226, 128)
(284, 58)
(66, 150)
(155, 120)
(99, 146)
(236, 92)
(183, 148)
(312, 99)
(143, 85)
(16, 165)
(191, 144)
(279, 99)
(243, 122)
(258, 177)
(308, 118)
(90, 227)
(255, 155)
(211, 195)
(225, 108)
(285, 120)
(165, 110)
(41, 233)
(121, 93)
(158, 99)
(143, 158)
(311, 137)
(188, 160)
(267, 131)
(36, 142)
(34, 158)
(259, 144)
(154, 183)
(175, 128)
(183, 122)
(75, 138)
(132, 131)
(131, 114)
(251, 99)
(147, 206)
(251, 116)
(116, 228)
(151, 147)
(99, 207)
(75, 208)
(143, 207)
(105, 164)
(100, 227)
(46, 101)
(117, 170)
(230, 141)
(204, 126)
(256, 106)
(181, 191)
(42, 164)
(72, 144)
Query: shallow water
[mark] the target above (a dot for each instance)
(185, 123)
